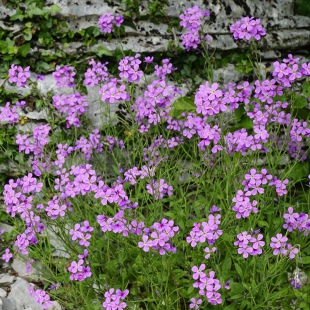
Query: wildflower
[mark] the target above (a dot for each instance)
(247, 28)
(107, 21)
(7, 256)
(195, 303)
(64, 76)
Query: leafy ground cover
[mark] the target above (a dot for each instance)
(194, 202)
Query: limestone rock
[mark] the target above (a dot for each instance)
(20, 267)
(3, 293)
(6, 279)
(20, 296)
(7, 304)
(6, 227)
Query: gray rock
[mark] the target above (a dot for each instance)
(270, 54)
(284, 29)
(6, 227)
(6, 279)
(227, 75)
(7, 304)
(20, 296)
(20, 267)
(3, 293)
(55, 306)
(34, 115)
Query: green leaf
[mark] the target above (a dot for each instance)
(18, 15)
(304, 260)
(24, 49)
(55, 8)
(306, 89)
(227, 237)
(299, 102)
(34, 11)
(179, 273)
(3, 47)
(42, 66)
(246, 122)
(12, 49)
(239, 112)
(282, 98)
(103, 51)
(299, 172)
(183, 104)
(238, 296)
(263, 224)
(27, 34)
(239, 270)
(226, 264)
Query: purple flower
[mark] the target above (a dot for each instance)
(195, 303)
(145, 244)
(7, 256)
(107, 21)
(247, 28)
(148, 59)
(64, 75)
(19, 75)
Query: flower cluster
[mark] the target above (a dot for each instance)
(155, 105)
(253, 185)
(90, 145)
(132, 174)
(107, 21)
(157, 237)
(294, 221)
(18, 197)
(81, 233)
(191, 20)
(159, 189)
(280, 246)
(35, 144)
(116, 224)
(64, 76)
(8, 114)
(72, 106)
(80, 272)
(249, 243)
(165, 69)
(247, 28)
(113, 91)
(288, 71)
(19, 75)
(113, 301)
(208, 285)
(205, 231)
(40, 296)
(129, 68)
(208, 99)
(97, 74)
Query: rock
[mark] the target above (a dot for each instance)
(20, 296)
(6, 279)
(55, 306)
(34, 115)
(270, 54)
(3, 293)
(20, 267)
(6, 227)
(7, 304)
(227, 75)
